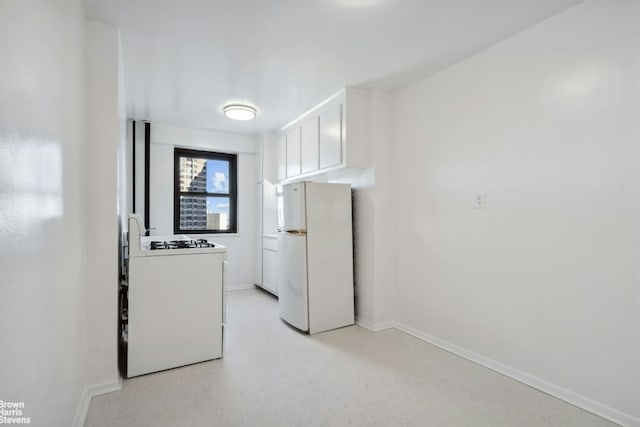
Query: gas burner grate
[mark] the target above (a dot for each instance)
(181, 244)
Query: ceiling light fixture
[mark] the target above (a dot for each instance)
(239, 111)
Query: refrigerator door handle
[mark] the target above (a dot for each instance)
(297, 232)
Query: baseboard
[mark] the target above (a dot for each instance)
(83, 408)
(108, 387)
(88, 393)
(240, 287)
(554, 390)
(374, 327)
(269, 291)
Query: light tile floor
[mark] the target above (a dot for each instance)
(272, 375)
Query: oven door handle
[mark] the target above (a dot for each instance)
(224, 303)
(225, 264)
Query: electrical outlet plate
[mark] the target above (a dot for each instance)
(480, 201)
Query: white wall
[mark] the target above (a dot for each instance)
(545, 279)
(43, 181)
(373, 236)
(241, 247)
(125, 169)
(383, 155)
(138, 181)
(104, 135)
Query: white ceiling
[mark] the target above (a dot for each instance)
(184, 59)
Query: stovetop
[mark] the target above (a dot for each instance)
(180, 244)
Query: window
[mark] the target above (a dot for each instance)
(205, 192)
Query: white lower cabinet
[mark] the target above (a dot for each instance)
(270, 263)
(270, 270)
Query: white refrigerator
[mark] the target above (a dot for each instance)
(315, 256)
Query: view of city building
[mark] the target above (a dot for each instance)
(217, 221)
(209, 177)
(193, 177)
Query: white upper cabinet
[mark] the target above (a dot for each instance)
(309, 145)
(293, 152)
(282, 157)
(331, 136)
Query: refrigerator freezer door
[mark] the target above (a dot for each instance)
(292, 279)
(294, 207)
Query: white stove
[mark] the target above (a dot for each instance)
(176, 301)
(141, 245)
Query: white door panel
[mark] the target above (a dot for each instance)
(330, 256)
(331, 137)
(292, 279)
(269, 269)
(282, 157)
(293, 152)
(309, 146)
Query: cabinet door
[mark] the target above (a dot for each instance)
(269, 270)
(293, 152)
(309, 146)
(331, 137)
(282, 157)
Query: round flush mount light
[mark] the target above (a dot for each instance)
(239, 111)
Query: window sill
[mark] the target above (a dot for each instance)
(212, 235)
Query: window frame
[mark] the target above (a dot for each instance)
(232, 195)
